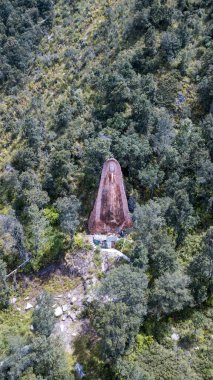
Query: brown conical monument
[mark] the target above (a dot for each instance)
(110, 213)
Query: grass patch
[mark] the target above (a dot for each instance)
(60, 284)
(13, 323)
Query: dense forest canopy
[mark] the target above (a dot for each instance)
(82, 81)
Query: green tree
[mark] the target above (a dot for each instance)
(41, 356)
(181, 214)
(116, 327)
(170, 293)
(133, 152)
(142, 113)
(34, 132)
(49, 359)
(151, 177)
(43, 319)
(45, 242)
(207, 129)
(170, 44)
(127, 285)
(139, 255)
(121, 309)
(25, 159)
(12, 245)
(161, 15)
(201, 270)
(149, 218)
(4, 290)
(68, 208)
(132, 371)
(30, 192)
(162, 255)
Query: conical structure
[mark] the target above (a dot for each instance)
(110, 213)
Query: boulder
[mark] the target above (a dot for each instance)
(28, 306)
(72, 316)
(65, 308)
(58, 311)
(175, 337)
(13, 300)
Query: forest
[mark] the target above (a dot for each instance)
(80, 82)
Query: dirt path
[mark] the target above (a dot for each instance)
(71, 324)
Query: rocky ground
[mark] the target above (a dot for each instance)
(73, 284)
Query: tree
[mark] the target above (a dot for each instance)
(45, 242)
(16, 54)
(207, 129)
(45, 6)
(201, 270)
(132, 371)
(31, 191)
(149, 86)
(96, 152)
(49, 358)
(164, 132)
(34, 132)
(63, 116)
(161, 16)
(151, 41)
(162, 255)
(170, 293)
(181, 214)
(41, 357)
(121, 309)
(151, 177)
(142, 113)
(127, 285)
(170, 44)
(57, 173)
(6, 9)
(43, 319)
(12, 246)
(139, 255)
(68, 208)
(116, 327)
(149, 218)
(133, 152)
(25, 159)
(4, 290)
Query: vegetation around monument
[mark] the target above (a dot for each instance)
(80, 82)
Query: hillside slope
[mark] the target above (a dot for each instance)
(82, 81)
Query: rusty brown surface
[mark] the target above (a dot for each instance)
(110, 213)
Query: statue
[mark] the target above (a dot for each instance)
(110, 213)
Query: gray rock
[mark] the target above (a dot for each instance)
(13, 300)
(58, 311)
(72, 316)
(79, 370)
(175, 337)
(28, 306)
(65, 308)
